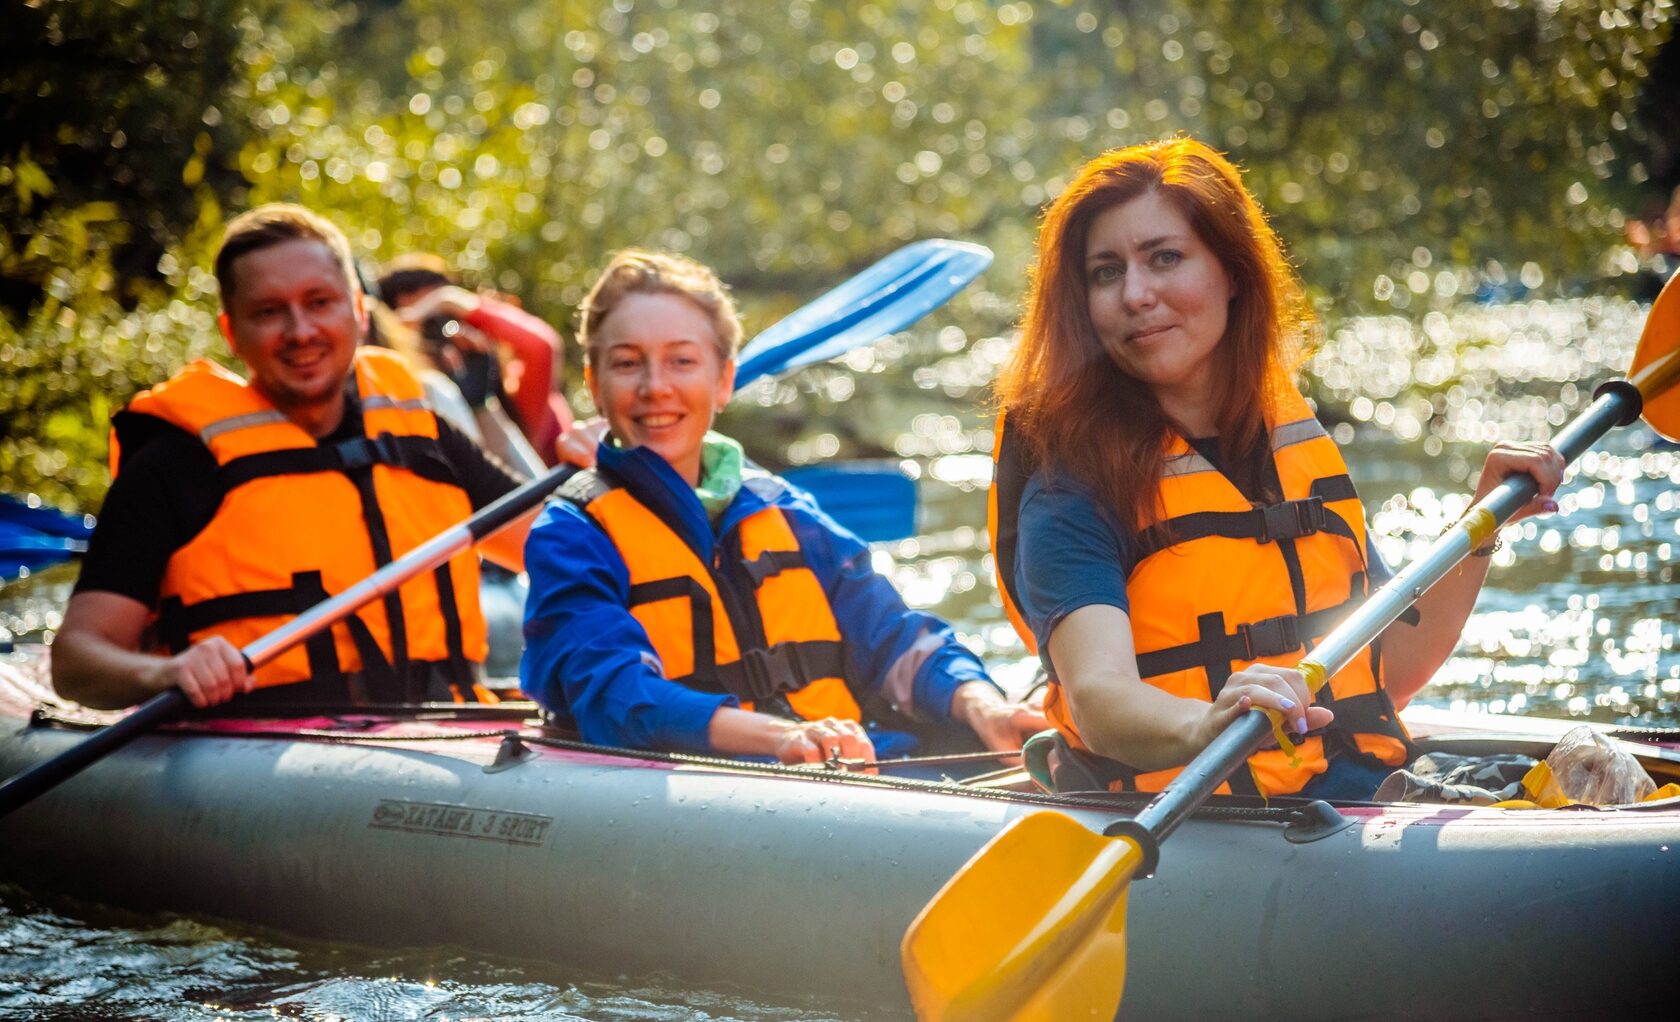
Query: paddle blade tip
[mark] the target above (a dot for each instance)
(1656, 363)
(1031, 928)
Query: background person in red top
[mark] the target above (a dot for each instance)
(462, 327)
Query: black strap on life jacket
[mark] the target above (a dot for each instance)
(1014, 469)
(377, 681)
(760, 674)
(1217, 647)
(1268, 523)
(177, 620)
(422, 455)
(699, 612)
(585, 487)
(763, 674)
(770, 563)
(458, 669)
(354, 458)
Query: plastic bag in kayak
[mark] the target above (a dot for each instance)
(1588, 767)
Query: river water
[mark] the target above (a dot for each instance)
(1577, 620)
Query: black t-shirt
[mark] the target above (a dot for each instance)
(168, 491)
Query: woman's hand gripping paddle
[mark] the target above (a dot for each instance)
(1033, 927)
(885, 298)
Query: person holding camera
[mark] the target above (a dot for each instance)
(497, 353)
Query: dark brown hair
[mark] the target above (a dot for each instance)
(272, 224)
(1078, 410)
(413, 271)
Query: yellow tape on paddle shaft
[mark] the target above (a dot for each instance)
(1315, 676)
(1481, 524)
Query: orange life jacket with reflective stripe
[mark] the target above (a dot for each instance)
(754, 624)
(1220, 584)
(301, 521)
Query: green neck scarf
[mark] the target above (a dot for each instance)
(720, 473)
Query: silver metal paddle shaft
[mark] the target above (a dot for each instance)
(1617, 404)
(388, 579)
(485, 523)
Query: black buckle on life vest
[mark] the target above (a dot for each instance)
(363, 452)
(771, 563)
(1270, 637)
(1291, 519)
(770, 672)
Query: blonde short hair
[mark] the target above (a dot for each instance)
(636, 271)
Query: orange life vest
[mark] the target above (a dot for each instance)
(301, 521)
(1220, 584)
(754, 624)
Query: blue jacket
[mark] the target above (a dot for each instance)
(588, 661)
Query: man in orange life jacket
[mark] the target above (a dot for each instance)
(237, 504)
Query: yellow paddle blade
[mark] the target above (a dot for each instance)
(1032, 929)
(1656, 364)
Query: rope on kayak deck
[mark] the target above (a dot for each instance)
(1281, 811)
(1127, 803)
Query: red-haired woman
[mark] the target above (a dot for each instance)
(1174, 527)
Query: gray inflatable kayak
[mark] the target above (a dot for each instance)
(480, 831)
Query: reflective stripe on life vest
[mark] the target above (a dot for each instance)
(301, 521)
(757, 625)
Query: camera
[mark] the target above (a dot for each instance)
(473, 369)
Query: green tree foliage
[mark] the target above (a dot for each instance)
(117, 129)
(1393, 137)
(1410, 151)
(121, 132)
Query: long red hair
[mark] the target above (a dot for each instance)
(1079, 412)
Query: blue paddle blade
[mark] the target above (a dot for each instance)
(33, 536)
(32, 551)
(875, 500)
(884, 299)
(18, 515)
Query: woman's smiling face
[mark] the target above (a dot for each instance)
(660, 377)
(1157, 296)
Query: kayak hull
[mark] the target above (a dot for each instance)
(802, 887)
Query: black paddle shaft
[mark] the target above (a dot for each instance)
(1616, 403)
(167, 705)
